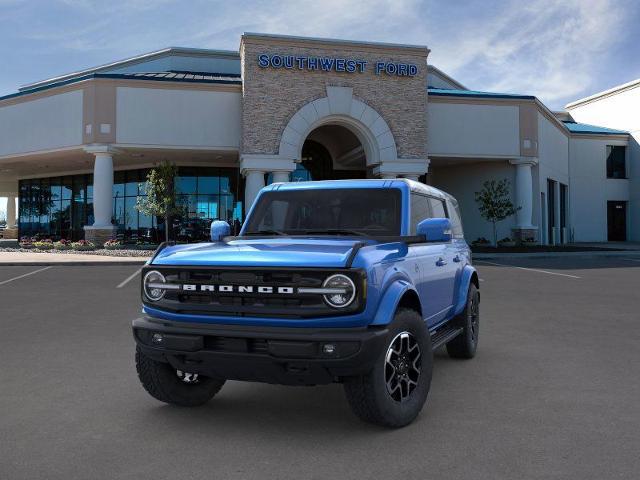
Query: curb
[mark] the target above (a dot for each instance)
(72, 264)
(497, 256)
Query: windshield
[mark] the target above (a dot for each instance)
(354, 211)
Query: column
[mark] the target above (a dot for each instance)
(281, 176)
(254, 182)
(524, 198)
(253, 167)
(102, 228)
(102, 190)
(11, 211)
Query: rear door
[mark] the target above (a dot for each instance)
(433, 266)
(447, 264)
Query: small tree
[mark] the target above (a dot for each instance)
(160, 200)
(494, 203)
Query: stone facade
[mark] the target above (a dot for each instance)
(272, 96)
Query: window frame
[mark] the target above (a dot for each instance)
(608, 151)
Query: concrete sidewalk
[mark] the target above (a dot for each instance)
(35, 259)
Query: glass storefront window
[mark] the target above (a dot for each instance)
(59, 207)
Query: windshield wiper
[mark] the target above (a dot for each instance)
(336, 231)
(266, 232)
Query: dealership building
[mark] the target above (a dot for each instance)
(74, 149)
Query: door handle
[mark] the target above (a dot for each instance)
(457, 259)
(441, 262)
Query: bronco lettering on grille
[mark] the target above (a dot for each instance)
(237, 289)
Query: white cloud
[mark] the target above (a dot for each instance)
(546, 48)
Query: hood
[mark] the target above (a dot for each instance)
(262, 252)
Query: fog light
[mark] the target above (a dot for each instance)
(157, 338)
(329, 348)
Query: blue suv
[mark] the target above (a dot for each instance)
(348, 281)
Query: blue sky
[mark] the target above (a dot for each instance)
(556, 50)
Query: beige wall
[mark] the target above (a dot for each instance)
(172, 117)
(272, 96)
(473, 129)
(46, 123)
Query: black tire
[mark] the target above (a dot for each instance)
(163, 383)
(368, 395)
(466, 344)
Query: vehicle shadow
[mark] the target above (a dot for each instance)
(255, 408)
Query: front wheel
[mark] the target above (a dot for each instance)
(393, 393)
(165, 383)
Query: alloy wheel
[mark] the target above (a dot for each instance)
(402, 366)
(473, 312)
(186, 377)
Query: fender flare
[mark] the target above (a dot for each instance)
(389, 301)
(469, 275)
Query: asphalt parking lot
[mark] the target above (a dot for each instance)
(554, 391)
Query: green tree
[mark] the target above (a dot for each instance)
(494, 203)
(160, 199)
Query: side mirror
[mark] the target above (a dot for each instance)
(219, 230)
(435, 229)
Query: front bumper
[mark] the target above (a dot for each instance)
(289, 356)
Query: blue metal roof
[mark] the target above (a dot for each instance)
(188, 77)
(445, 92)
(575, 127)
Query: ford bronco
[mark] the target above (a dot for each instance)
(349, 281)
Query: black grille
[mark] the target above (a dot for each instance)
(296, 305)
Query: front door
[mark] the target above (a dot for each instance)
(617, 221)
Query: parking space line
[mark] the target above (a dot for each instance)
(529, 269)
(129, 278)
(25, 275)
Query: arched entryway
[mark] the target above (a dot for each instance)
(331, 152)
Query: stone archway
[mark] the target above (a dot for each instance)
(339, 107)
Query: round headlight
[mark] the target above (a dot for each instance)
(344, 291)
(151, 281)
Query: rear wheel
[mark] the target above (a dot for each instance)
(165, 383)
(393, 393)
(465, 344)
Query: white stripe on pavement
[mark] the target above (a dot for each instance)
(25, 275)
(528, 269)
(129, 278)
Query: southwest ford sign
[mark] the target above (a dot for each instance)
(334, 64)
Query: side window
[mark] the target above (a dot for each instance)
(437, 208)
(419, 211)
(454, 215)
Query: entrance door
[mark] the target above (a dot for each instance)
(551, 211)
(617, 221)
